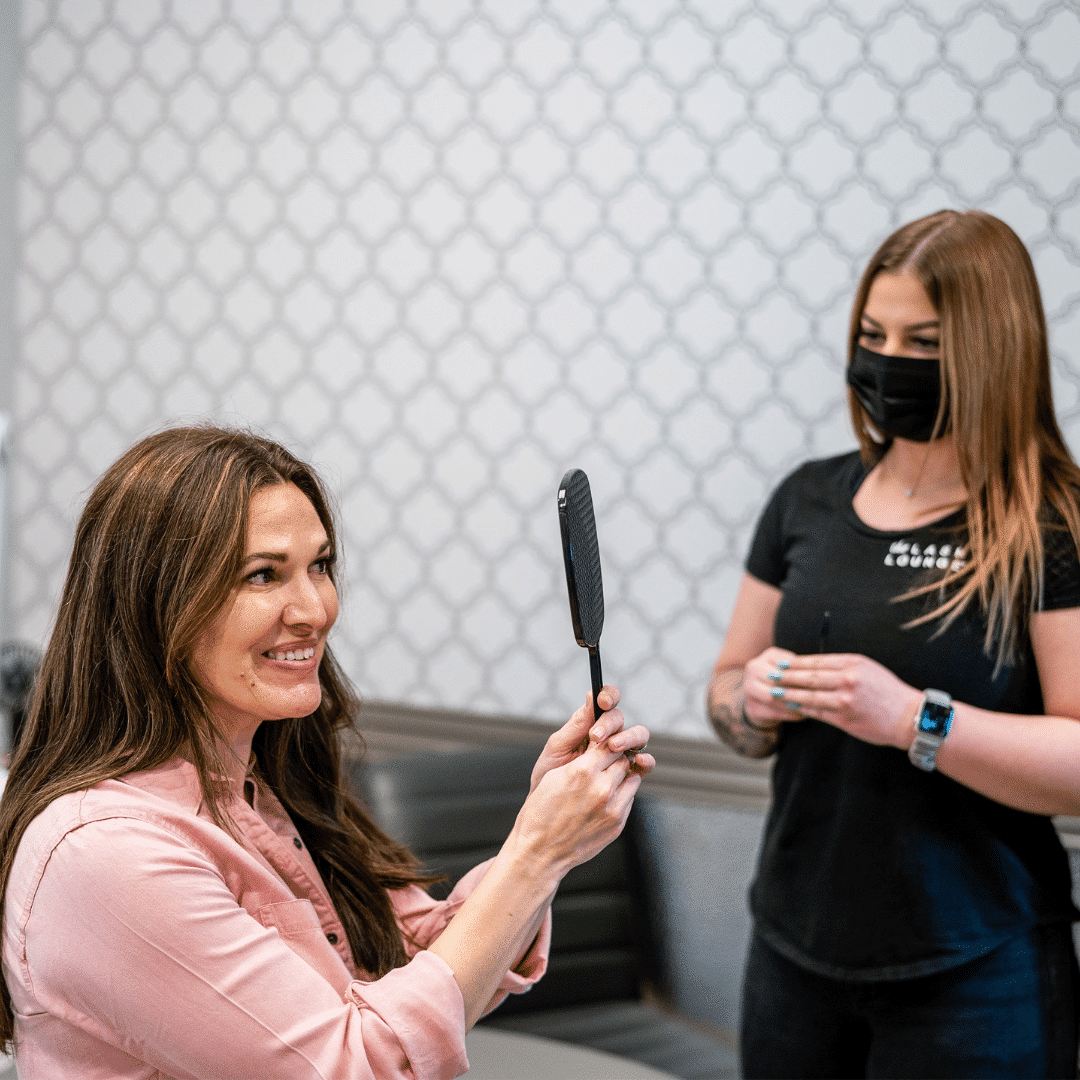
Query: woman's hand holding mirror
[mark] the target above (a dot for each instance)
(576, 810)
(581, 730)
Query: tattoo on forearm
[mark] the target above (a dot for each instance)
(725, 707)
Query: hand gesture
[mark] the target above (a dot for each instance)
(765, 708)
(575, 736)
(577, 809)
(851, 692)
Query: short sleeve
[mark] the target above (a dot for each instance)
(1061, 570)
(766, 560)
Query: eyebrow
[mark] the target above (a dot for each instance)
(279, 556)
(914, 326)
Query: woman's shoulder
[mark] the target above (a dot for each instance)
(1061, 560)
(823, 478)
(159, 798)
(834, 467)
(817, 491)
(172, 786)
(49, 827)
(66, 815)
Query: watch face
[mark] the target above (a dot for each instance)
(935, 718)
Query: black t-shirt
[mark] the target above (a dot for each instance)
(870, 868)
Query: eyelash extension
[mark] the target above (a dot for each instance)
(328, 561)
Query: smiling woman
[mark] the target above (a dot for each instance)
(259, 658)
(189, 888)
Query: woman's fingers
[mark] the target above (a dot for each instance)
(623, 798)
(599, 757)
(828, 671)
(631, 739)
(609, 697)
(608, 726)
(812, 702)
(810, 685)
(763, 704)
(631, 745)
(611, 720)
(578, 809)
(623, 782)
(603, 755)
(853, 692)
(572, 733)
(620, 767)
(609, 731)
(818, 666)
(581, 725)
(582, 731)
(820, 686)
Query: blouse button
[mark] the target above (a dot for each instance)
(332, 938)
(296, 841)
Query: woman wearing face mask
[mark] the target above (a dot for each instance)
(190, 890)
(906, 640)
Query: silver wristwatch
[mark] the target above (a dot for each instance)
(932, 724)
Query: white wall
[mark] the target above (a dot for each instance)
(9, 93)
(450, 249)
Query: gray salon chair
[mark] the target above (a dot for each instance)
(454, 810)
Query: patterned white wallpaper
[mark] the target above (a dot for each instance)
(450, 248)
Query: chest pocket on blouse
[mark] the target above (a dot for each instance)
(298, 927)
(291, 918)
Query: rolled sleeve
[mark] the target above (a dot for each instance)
(423, 1016)
(133, 941)
(423, 919)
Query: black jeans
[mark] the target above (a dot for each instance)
(1010, 1013)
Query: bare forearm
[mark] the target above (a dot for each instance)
(724, 701)
(573, 811)
(1030, 763)
(495, 926)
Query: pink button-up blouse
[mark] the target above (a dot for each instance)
(142, 940)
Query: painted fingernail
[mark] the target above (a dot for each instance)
(792, 706)
(783, 665)
(777, 691)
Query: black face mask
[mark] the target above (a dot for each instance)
(900, 394)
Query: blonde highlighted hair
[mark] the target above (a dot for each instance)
(996, 400)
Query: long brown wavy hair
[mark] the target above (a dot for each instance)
(158, 549)
(1022, 483)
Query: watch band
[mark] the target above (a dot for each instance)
(923, 751)
(932, 723)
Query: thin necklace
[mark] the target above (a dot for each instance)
(909, 492)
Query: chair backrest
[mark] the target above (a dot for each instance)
(454, 810)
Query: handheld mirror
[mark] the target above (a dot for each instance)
(581, 556)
